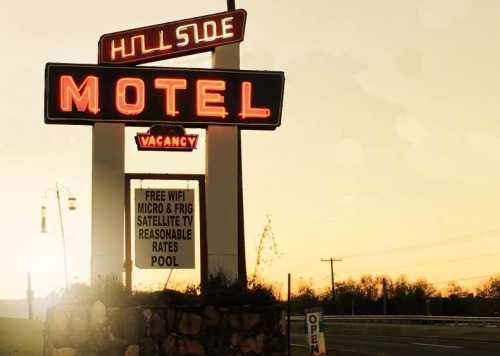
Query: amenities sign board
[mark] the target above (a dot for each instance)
(164, 228)
(173, 39)
(143, 96)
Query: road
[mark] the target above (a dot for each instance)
(366, 345)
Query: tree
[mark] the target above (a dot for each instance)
(422, 289)
(456, 291)
(305, 297)
(491, 289)
(369, 287)
(400, 287)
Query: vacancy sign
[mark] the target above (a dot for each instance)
(173, 39)
(144, 96)
(164, 228)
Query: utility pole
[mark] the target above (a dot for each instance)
(71, 206)
(289, 314)
(58, 194)
(331, 260)
(29, 296)
(384, 290)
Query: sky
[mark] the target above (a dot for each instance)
(388, 155)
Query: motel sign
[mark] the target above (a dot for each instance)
(142, 96)
(115, 93)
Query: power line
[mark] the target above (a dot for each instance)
(467, 279)
(423, 264)
(477, 236)
(325, 277)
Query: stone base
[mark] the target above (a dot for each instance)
(76, 330)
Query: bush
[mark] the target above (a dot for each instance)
(220, 291)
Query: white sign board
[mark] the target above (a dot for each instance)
(315, 337)
(164, 228)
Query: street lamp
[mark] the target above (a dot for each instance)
(71, 206)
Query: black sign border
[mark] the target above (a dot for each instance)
(144, 123)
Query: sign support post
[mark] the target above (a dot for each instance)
(223, 174)
(108, 173)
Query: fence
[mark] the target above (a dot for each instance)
(410, 319)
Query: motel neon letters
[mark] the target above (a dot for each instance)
(141, 96)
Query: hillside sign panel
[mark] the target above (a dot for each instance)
(144, 96)
(164, 228)
(172, 39)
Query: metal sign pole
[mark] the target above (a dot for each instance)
(222, 200)
(108, 202)
(225, 240)
(108, 218)
(242, 267)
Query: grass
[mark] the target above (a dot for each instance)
(20, 337)
(302, 351)
(299, 348)
(431, 331)
(377, 329)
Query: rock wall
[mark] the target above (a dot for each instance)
(76, 330)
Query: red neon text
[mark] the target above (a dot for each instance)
(158, 142)
(205, 96)
(170, 85)
(247, 111)
(121, 101)
(85, 97)
(171, 97)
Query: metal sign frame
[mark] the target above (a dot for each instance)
(200, 178)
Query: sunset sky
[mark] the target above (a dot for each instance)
(388, 154)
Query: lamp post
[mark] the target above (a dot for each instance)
(71, 206)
